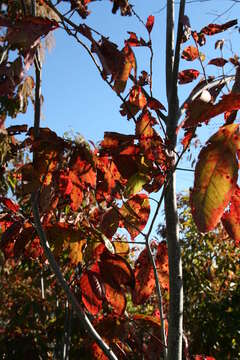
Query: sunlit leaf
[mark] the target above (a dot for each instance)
(135, 184)
(231, 217)
(115, 270)
(150, 23)
(190, 53)
(125, 69)
(207, 111)
(215, 178)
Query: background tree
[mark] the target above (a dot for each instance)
(211, 283)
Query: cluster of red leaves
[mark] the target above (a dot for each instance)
(191, 53)
(105, 280)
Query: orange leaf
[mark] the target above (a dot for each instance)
(215, 177)
(154, 104)
(137, 97)
(133, 40)
(125, 69)
(190, 53)
(196, 116)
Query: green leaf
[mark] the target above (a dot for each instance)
(135, 184)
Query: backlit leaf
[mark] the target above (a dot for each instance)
(135, 214)
(144, 277)
(215, 178)
(150, 23)
(135, 184)
(125, 69)
(231, 217)
(91, 288)
(162, 265)
(115, 270)
(116, 298)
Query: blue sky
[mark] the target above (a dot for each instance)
(77, 99)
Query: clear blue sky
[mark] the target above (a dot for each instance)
(75, 96)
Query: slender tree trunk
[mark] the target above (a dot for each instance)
(175, 320)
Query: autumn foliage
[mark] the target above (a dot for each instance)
(94, 201)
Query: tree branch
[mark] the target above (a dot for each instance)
(71, 297)
(169, 47)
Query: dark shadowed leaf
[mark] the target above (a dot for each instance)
(187, 76)
(220, 62)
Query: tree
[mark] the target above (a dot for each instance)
(211, 287)
(64, 200)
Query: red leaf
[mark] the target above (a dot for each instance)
(92, 290)
(133, 40)
(162, 265)
(197, 113)
(81, 175)
(26, 33)
(136, 212)
(203, 357)
(150, 23)
(231, 217)
(116, 298)
(220, 62)
(115, 270)
(154, 104)
(144, 277)
(213, 29)
(187, 76)
(190, 53)
(9, 204)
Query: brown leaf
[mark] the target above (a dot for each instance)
(220, 62)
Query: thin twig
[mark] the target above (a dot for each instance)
(71, 297)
